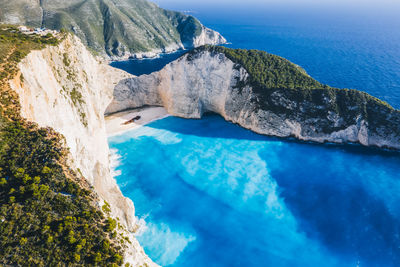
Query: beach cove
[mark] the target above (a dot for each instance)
(211, 193)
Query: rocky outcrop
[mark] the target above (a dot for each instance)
(207, 36)
(210, 82)
(115, 29)
(66, 88)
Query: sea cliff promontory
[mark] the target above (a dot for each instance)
(115, 29)
(54, 156)
(264, 93)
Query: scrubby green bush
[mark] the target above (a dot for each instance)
(286, 89)
(266, 69)
(46, 217)
(48, 213)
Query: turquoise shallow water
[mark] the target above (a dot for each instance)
(214, 194)
(343, 47)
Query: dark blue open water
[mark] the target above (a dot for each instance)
(357, 47)
(214, 194)
(148, 65)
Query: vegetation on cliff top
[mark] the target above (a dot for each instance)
(108, 26)
(276, 81)
(268, 70)
(14, 46)
(48, 212)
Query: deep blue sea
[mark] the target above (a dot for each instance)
(214, 194)
(147, 65)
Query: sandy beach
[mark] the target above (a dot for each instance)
(115, 122)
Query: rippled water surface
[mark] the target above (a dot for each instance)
(214, 194)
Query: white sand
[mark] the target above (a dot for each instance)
(115, 122)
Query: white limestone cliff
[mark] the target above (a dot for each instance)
(208, 82)
(208, 36)
(66, 88)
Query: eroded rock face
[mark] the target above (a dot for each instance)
(210, 82)
(66, 88)
(207, 36)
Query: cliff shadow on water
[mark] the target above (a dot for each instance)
(210, 119)
(219, 187)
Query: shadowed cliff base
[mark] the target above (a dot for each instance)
(229, 133)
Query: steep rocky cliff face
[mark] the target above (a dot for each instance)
(66, 88)
(208, 81)
(114, 28)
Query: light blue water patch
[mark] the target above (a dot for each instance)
(214, 194)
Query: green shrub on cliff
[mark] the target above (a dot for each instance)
(48, 213)
(108, 27)
(266, 69)
(269, 71)
(287, 90)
